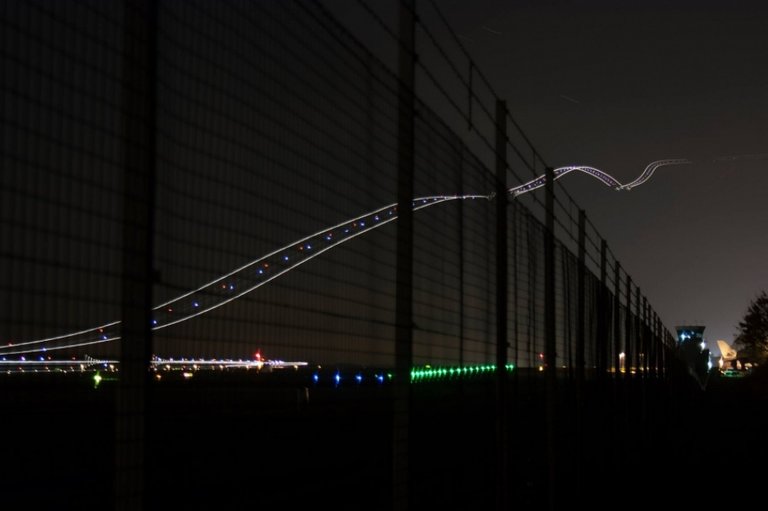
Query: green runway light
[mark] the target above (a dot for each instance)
(428, 373)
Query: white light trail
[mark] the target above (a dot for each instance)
(604, 177)
(650, 169)
(238, 282)
(259, 272)
(58, 362)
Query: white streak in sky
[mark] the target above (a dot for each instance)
(258, 272)
(489, 29)
(568, 98)
(604, 177)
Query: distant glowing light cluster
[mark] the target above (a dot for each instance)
(339, 379)
(429, 373)
(196, 364)
(157, 364)
(420, 374)
(49, 365)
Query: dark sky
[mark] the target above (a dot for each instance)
(618, 87)
(591, 83)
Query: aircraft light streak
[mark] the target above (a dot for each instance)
(259, 272)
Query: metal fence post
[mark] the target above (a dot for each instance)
(602, 312)
(501, 305)
(580, 359)
(616, 319)
(404, 291)
(580, 306)
(656, 341)
(138, 238)
(550, 346)
(628, 330)
(637, 327)
(645, 334)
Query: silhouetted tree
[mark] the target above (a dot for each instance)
(753, 329)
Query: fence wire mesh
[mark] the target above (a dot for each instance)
(213, 185)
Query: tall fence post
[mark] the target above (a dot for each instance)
(653, 341)
(580, 305)
(665, 351)
(501, 306)
(637, 327)
(628, 330)
(659, 345)
(627, 390)
(580, 359)
(550, 346)
(602, 312)
(656, 340)
(646, 344)
(131, 407)
(460, 228)
(616, 319)
(616, 361)
(662, 347)
(404, 292)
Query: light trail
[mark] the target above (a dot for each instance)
(58, 362)
(259, 272)
(155, 363)
(604, 177)
(226, 363)
(236, 283)
(650, 169)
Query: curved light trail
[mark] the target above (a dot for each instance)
(604, 177)
(650, 169)
(258, 272)
(236, 283)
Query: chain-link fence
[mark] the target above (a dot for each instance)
(199, 211)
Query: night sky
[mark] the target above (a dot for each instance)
(618, 87)
(591, 83)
